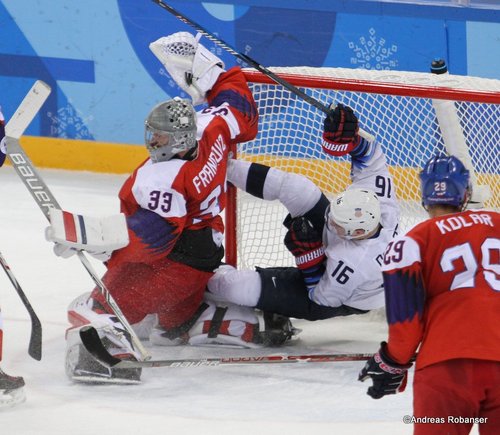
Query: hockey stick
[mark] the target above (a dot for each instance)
(293, 89)
(35, 346)
(14, 129)
(93, 344)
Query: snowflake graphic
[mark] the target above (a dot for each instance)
(68, 123)
(373, 53)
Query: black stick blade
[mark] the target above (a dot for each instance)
(35, 346)
(92, 342)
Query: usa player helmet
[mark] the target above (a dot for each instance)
(445, 181)
(170, 128)
(354, 213)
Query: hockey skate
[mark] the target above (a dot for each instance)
(278, 330)
(84, 368)
(11, 390)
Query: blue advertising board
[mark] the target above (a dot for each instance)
(95, 55)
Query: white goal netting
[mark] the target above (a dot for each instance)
(397, 107)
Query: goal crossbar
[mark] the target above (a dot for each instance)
(425, 85)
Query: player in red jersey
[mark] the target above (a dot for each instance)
(172, 203)
(11, 388)
(442, 287)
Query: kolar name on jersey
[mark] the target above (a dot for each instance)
(454, 223)
(209, 170)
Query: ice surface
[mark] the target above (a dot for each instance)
(292, 399)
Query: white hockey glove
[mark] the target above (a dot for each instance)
(98, 236)
(194, 68)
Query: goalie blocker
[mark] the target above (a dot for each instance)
(98, 236)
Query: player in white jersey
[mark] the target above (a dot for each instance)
(11, 388)
(338, 247)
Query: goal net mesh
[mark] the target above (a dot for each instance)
(396, 107)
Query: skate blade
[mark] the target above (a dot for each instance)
(95, 380)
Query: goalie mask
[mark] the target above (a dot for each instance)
(170, 128)
(354, 213)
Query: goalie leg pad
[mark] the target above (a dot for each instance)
(219, 324)
(226, 325)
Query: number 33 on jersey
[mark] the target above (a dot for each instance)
(161, 200)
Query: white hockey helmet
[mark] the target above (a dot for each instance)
(355, 212)
(170, 128)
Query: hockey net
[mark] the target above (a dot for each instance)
(397, 107)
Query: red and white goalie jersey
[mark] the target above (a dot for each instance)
(442, 287)
(164, 199)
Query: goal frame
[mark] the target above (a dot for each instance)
(446, 87)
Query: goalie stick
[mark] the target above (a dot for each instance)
(35, 346)
(14, 129)
(245, 58)
(94, 346)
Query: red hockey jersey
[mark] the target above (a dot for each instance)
(163, 199)
(442, 288)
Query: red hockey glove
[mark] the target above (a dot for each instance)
(304, 242)
(388, 376)
(340, 132)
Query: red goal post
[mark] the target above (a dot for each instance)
(412, 114)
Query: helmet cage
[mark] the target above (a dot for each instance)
(170, 128)
(356, 211)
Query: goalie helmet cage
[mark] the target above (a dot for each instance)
(397, 107)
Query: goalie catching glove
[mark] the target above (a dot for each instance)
(194, 68)
(306, 245)
(98, 236)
